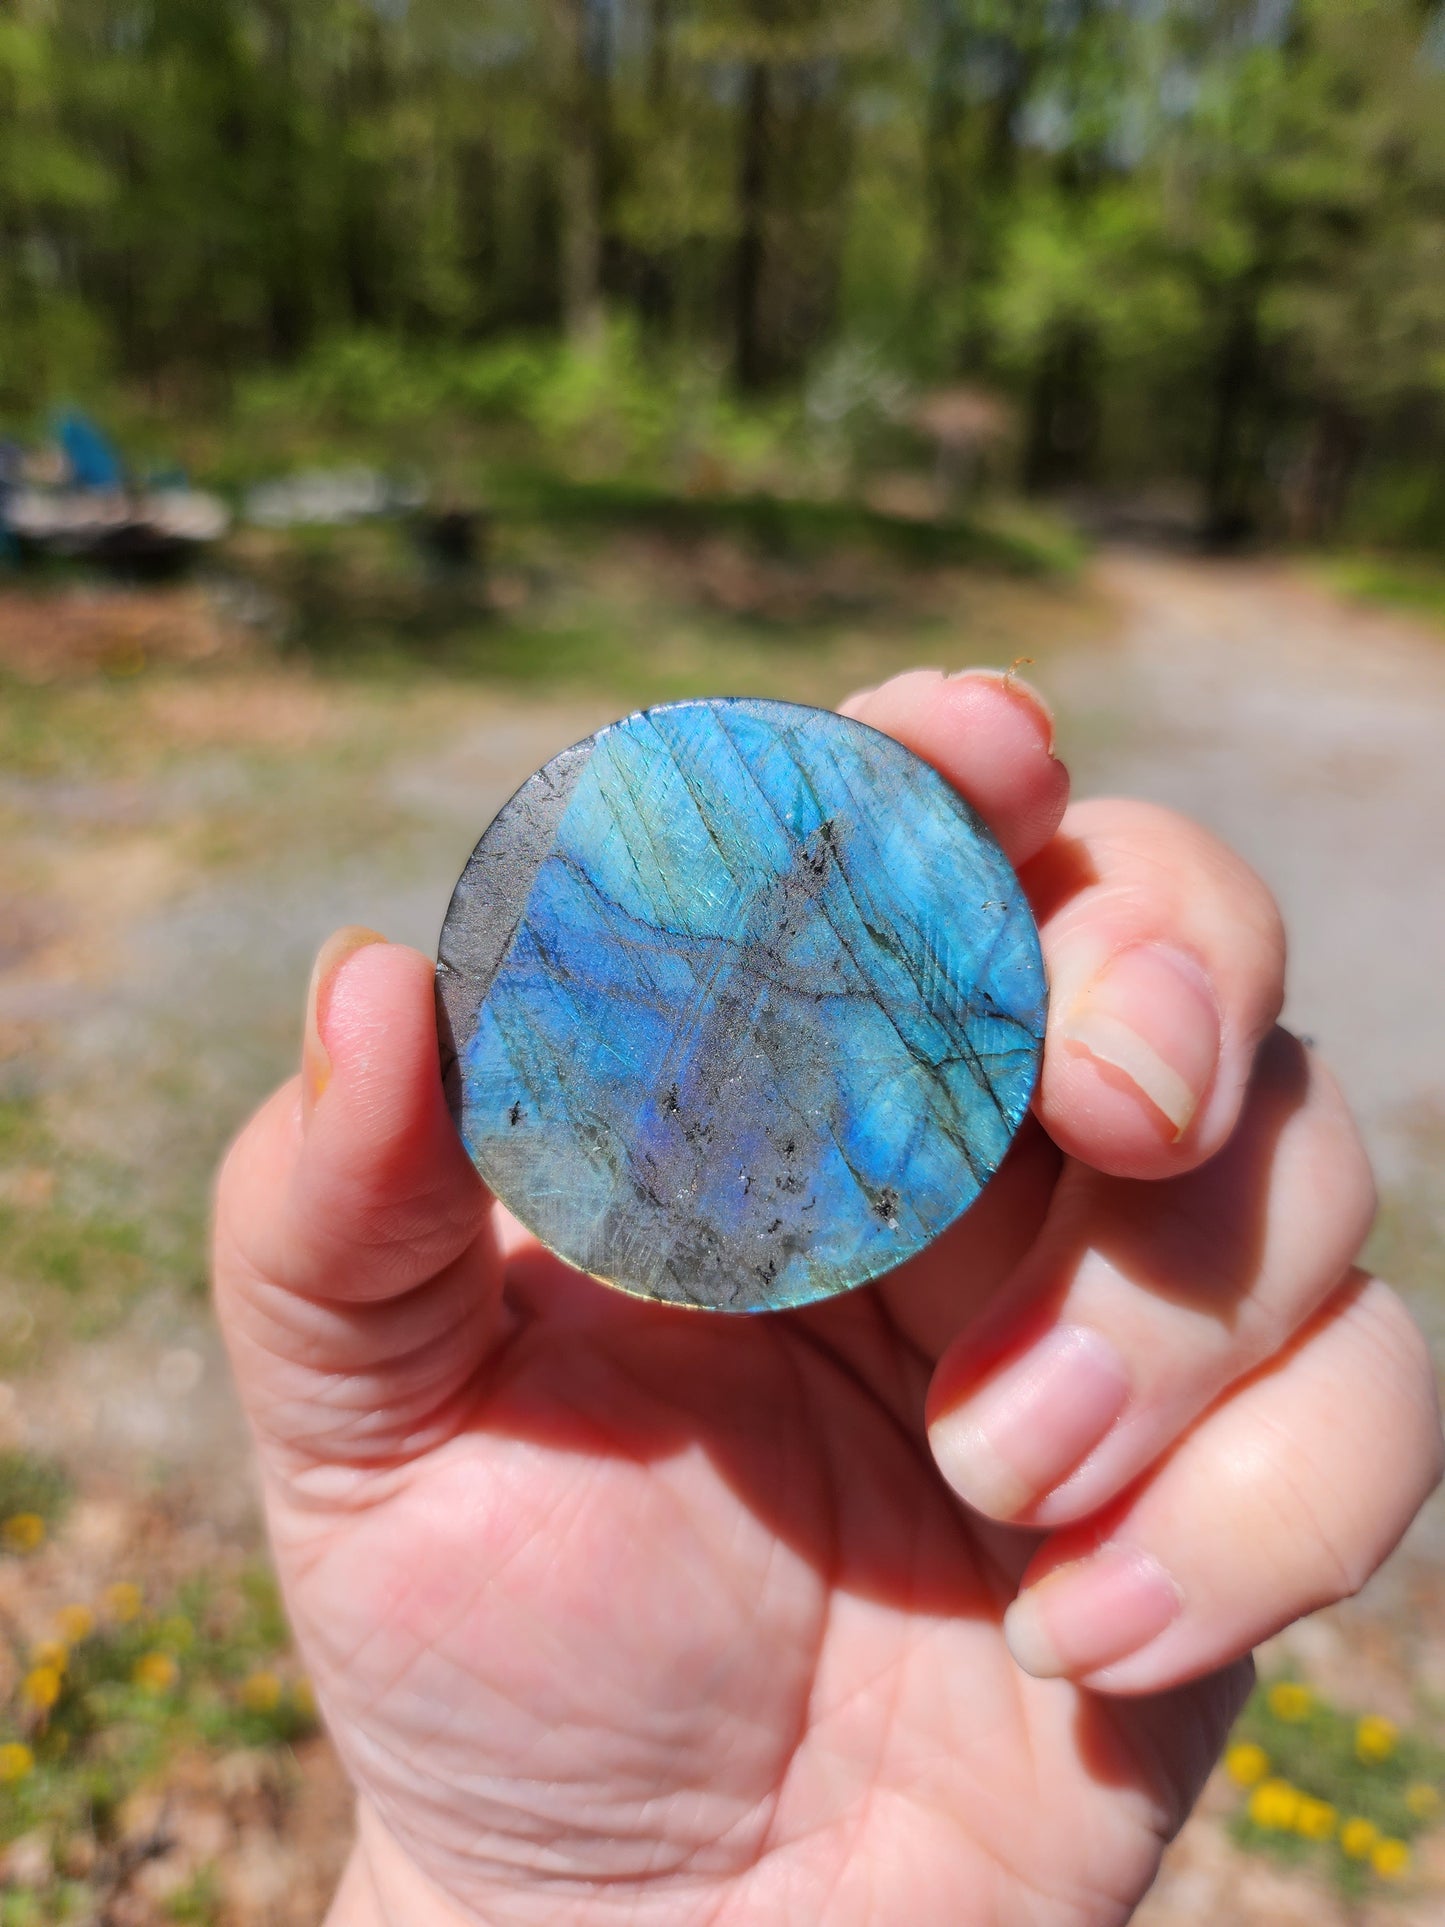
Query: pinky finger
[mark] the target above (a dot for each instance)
(1285, 1497)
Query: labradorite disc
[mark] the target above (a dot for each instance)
(740, 1004)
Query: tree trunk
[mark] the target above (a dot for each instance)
(1063, 418)
(750, 353)
(1336, 447)
(659, 54)
(1228, 511)
(579, 176)
(943, 257)
(968, 197)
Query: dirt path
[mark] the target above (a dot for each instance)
(1311, 734)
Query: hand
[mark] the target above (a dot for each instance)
(626, 1613)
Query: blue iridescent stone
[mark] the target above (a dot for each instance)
(740, 1004)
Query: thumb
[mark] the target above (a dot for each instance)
(355, 1271)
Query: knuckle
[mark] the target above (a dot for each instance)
(1339, 1172)
(1408, 1371)
(1346, 1545)
(409, 1237)
(1145, 850)
(1298, 1153)
(1335, 1552)
(244, 1166)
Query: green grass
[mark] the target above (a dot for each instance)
(70, 1256)
(797, 528)
(645, 595)
(32, 1486)
(198, 1902)
(1411, 583)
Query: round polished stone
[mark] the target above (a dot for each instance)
(740, 1004)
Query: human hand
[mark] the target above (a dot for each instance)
(620, 1612)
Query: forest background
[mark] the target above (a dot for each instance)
(1196, 242)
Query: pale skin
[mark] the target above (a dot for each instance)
(931, 1605)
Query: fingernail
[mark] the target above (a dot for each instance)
(315, 1059)
(1029, 1424)
(1091, 1613)
(1151, 1015)
(1021, 692)
(850, 703)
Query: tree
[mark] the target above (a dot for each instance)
(49, 191)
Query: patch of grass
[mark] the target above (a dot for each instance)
(199, 1901)
(1411, 583)
(1407, 1245)
(49, 732)
(32, 1489)
(66, 1252)
(797, 528)
(69, 1901)
(1350, 1792)
(646, 595)
(124, 1686)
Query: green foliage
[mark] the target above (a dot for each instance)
(1185, 240)
(603, 407)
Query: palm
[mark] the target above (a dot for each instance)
(686, 1609)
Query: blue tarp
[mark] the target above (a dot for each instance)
(93, 461)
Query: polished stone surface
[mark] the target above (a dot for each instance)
(740, 1004)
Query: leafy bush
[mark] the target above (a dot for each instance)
(362, 381)
(613, 407)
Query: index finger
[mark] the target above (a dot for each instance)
(988, 734)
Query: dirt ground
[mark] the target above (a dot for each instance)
(166, 910)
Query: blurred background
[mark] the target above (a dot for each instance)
(392, 391)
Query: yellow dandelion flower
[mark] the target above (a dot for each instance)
(1275, 1806)
(40, 1688)
(123, 1601)
(261, 1693)
(1290, 1701)
(76, 1623)
(1375, 1738)
(1391, 1859)
(23, 1532)
(1245, 1763)
(1316, 1820)
(303, 1698)
(1423, 1800)
(1359, 1837)
(52, 1653)
(155, 1672)
(16, 1761)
